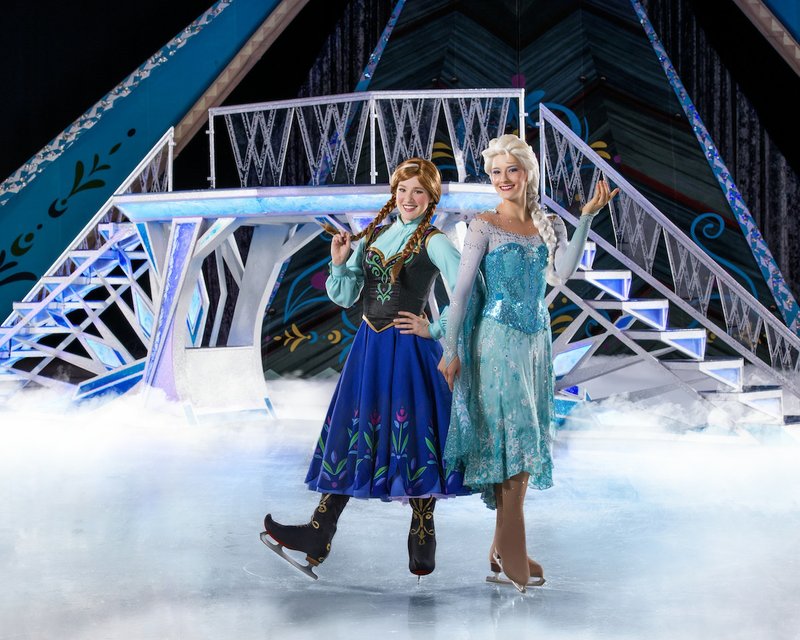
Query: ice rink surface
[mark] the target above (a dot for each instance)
(120, 521)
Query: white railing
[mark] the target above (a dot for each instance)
(335, 136)
(570, 169)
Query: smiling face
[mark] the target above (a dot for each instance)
(509, 177)
(412, 199)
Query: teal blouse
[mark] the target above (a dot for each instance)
(346, 280)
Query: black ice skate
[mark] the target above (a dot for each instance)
(422, 537)
(313, 539)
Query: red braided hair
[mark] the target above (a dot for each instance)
(428, 175)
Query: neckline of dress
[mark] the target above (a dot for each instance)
(511, 233)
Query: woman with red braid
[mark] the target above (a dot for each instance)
(385, 429)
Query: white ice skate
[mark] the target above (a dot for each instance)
(496, 566)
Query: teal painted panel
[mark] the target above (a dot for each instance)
(47, 202)
(788, 12)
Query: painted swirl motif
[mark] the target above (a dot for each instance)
(20, 276)
(713, 225)
(84, 179)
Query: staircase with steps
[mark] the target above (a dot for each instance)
(718, 380)
(89, 318)
(641, 326)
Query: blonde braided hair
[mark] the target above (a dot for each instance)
(511, 144)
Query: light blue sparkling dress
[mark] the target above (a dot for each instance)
(499, 325)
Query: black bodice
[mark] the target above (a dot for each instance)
(381, 298)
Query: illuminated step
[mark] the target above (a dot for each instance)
(42, 317)
(33, 333)
(10, 353)
(117, 381)
(20, 354)
(615, 282)
(83, 281)
(53, 314)
(93, 263)
(60, 306)
(651, 312)
(727, 370)
(109, 229)
(71, 292)
(766, 399)
(692, 342)
(299, 204)
(566, 360)
(104, 265)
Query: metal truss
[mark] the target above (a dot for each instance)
(88, 320)
(697, 290)
(336, 132)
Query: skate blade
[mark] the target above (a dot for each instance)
(278, 548)
(498, 579)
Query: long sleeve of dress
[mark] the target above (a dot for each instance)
(446, 258)
(568, 254)
(346, 280)
(475, 245)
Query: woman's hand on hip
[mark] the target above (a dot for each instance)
(410, 323)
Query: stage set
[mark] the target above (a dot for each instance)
(168, 354)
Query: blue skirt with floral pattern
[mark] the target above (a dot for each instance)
(385, 430)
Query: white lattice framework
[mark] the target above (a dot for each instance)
(339, 133)
(60, 331)
(571, 169)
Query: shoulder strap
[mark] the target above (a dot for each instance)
(429, 233)
(375, 233)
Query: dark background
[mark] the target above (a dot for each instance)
(59, 58)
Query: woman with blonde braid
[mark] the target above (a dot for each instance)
(385, 429)
(498, 347)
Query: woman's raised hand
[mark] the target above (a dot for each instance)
(600, 198)
(340, 248)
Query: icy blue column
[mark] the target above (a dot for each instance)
(159, 369)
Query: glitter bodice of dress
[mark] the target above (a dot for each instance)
(514, 272)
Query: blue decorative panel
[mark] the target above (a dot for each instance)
(143, 314)
(107, 355)
(694, 346)
(564, 362)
